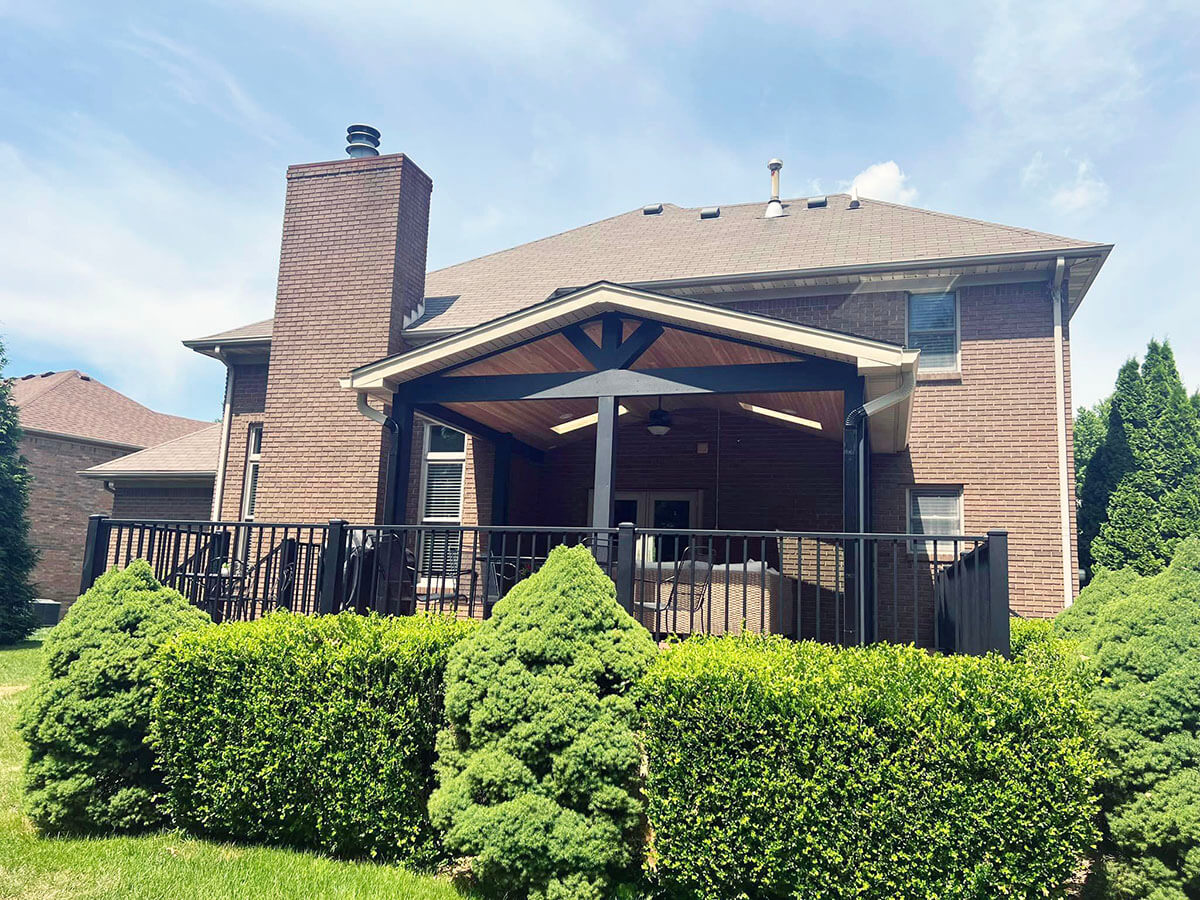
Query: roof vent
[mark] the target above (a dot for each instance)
(47, 374)
(651, 209)
(817, 202)
(854, 204)
(85, 377)
(710, 212)
(27, 377)
(361, 141)
(774, 207)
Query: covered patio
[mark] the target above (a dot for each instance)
(611, 405)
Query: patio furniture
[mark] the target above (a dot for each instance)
(689, 586)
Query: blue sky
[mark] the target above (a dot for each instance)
(142, 145)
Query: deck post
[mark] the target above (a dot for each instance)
(999, 638)
(603, 487)
(95, 554)
(333, 560)
(625, 559)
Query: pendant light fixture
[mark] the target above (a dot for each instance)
(659, 421)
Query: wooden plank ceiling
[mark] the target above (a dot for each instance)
(532, 421)
(554, 353)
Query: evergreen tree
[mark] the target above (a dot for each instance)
(1091, 425)
(1150, 479)
(1111, 460)
(16, 555)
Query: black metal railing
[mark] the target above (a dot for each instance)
(943, 592)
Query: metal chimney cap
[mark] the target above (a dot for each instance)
(362, 141)
(775, 165)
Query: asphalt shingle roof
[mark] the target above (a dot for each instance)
(633, 248)
(75, 405)
(194, 453)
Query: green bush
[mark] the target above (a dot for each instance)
(1141, 638)
(785, 770)
(538, 769)
(86, 717)
(316, 732)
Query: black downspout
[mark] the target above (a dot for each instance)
(854, 487)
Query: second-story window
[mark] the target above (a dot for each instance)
(253, 458)
(933, 329)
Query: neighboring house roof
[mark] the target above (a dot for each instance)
(75, 405)
(191, 456)
(676, 244)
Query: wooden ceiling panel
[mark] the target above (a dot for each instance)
(553, 353)
(685, 348)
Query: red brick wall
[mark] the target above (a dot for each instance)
(60, 502)
(990, 429)
(352, 263)
(247, 402)
(187, 502)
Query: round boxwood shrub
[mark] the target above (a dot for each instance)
(539, 767)
(797, 770)
(86, 717)
(1140, 636)
(313, 731)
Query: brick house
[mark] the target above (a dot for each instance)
(71, 422)
(821, 365)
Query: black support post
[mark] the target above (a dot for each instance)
(626, 538)
(395, 506)
(95, 553)
(501, 472)
(998, 610)
(333, 560)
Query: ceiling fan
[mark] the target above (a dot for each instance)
(659, 421)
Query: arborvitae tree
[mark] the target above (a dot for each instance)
(1091, 425)
(16, 555)
(1147, 473)
(1111, 460)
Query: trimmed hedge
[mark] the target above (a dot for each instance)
(316, 732)
(804, 771)
(87, 716)
(539, 786)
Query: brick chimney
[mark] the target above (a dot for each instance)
(352, 266)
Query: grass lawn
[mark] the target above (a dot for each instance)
(163, 865)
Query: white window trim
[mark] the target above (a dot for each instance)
(427, 456)
(253, 460)
(938, 370)
(925, 548)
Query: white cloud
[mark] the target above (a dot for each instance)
(538, 33)
(1087, 191)
(885, 181)
(1072, 185)
(110, 260)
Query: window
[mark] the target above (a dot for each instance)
(250, 482)
(935, 511)
(445, 455)
(933, 329)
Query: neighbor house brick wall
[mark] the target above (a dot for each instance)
(186, 502)
(247, 403)
(60, 501)
(352, 264)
